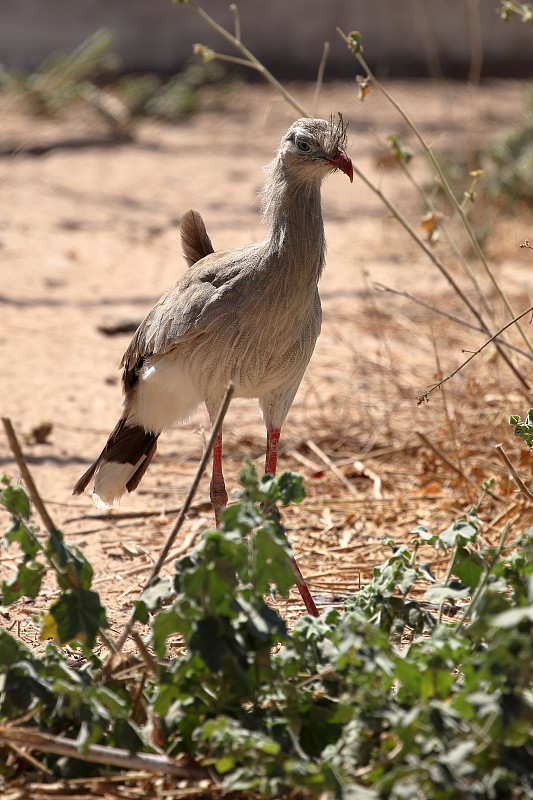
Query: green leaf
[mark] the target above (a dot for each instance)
(406, 581)
(272, 561)
(165, 624)
(291, 488)
(76, 616)
(224, 764)
(215, 640)
(17, 502)
(264, 623)
(459, 533)
(11, 650)
(469, 567)
(436, 594)
(513, 617)
(421, 532)
(72, 568)
(25, 537)
(26, 582)
(159, 591)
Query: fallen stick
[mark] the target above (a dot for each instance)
(31, 739)
(333, 467)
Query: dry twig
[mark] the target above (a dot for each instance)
(514, 474)
(493, 338)
(449, 463)
(32, 739)
(26, 476)
(333, 467)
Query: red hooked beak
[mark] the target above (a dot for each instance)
(343, 162)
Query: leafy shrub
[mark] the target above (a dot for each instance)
(379, 698)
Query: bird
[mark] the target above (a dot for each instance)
(250, 315)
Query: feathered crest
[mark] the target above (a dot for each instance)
(336, 136)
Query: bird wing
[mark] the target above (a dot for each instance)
(203, 295)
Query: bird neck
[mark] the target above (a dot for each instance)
(293, 208)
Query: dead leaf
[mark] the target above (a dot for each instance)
(431, 488)
(363, 87)
(430, 224)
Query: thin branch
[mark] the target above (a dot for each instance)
(31, 739)
(185, 508)
(516, 477)
(235, 11)
(26, 476)
(441, 267)
(426, 394)
(446, 186)
(238, 45)
(320, 77)
(380, 287)
(242, 62)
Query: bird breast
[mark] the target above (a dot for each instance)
(260, 346)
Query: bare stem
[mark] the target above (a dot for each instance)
(27, 477)
(472, 355)
(31, 739)
(446, 186)
(238, 45)
(516, 477)
(441, 267)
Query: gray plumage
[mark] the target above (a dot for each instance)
(250, 315)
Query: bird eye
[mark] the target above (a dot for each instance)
(303, 146)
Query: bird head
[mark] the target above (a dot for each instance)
(314, 147)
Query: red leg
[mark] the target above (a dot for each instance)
(270, 468)
(271, 460)
(219, 496)
(305, 594)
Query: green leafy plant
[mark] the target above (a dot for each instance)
(510, 9)
(62, 77)
(78, 614)
(178, 97)
(416, 687)
(524, 430)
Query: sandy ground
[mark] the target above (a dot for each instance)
(89, 237)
